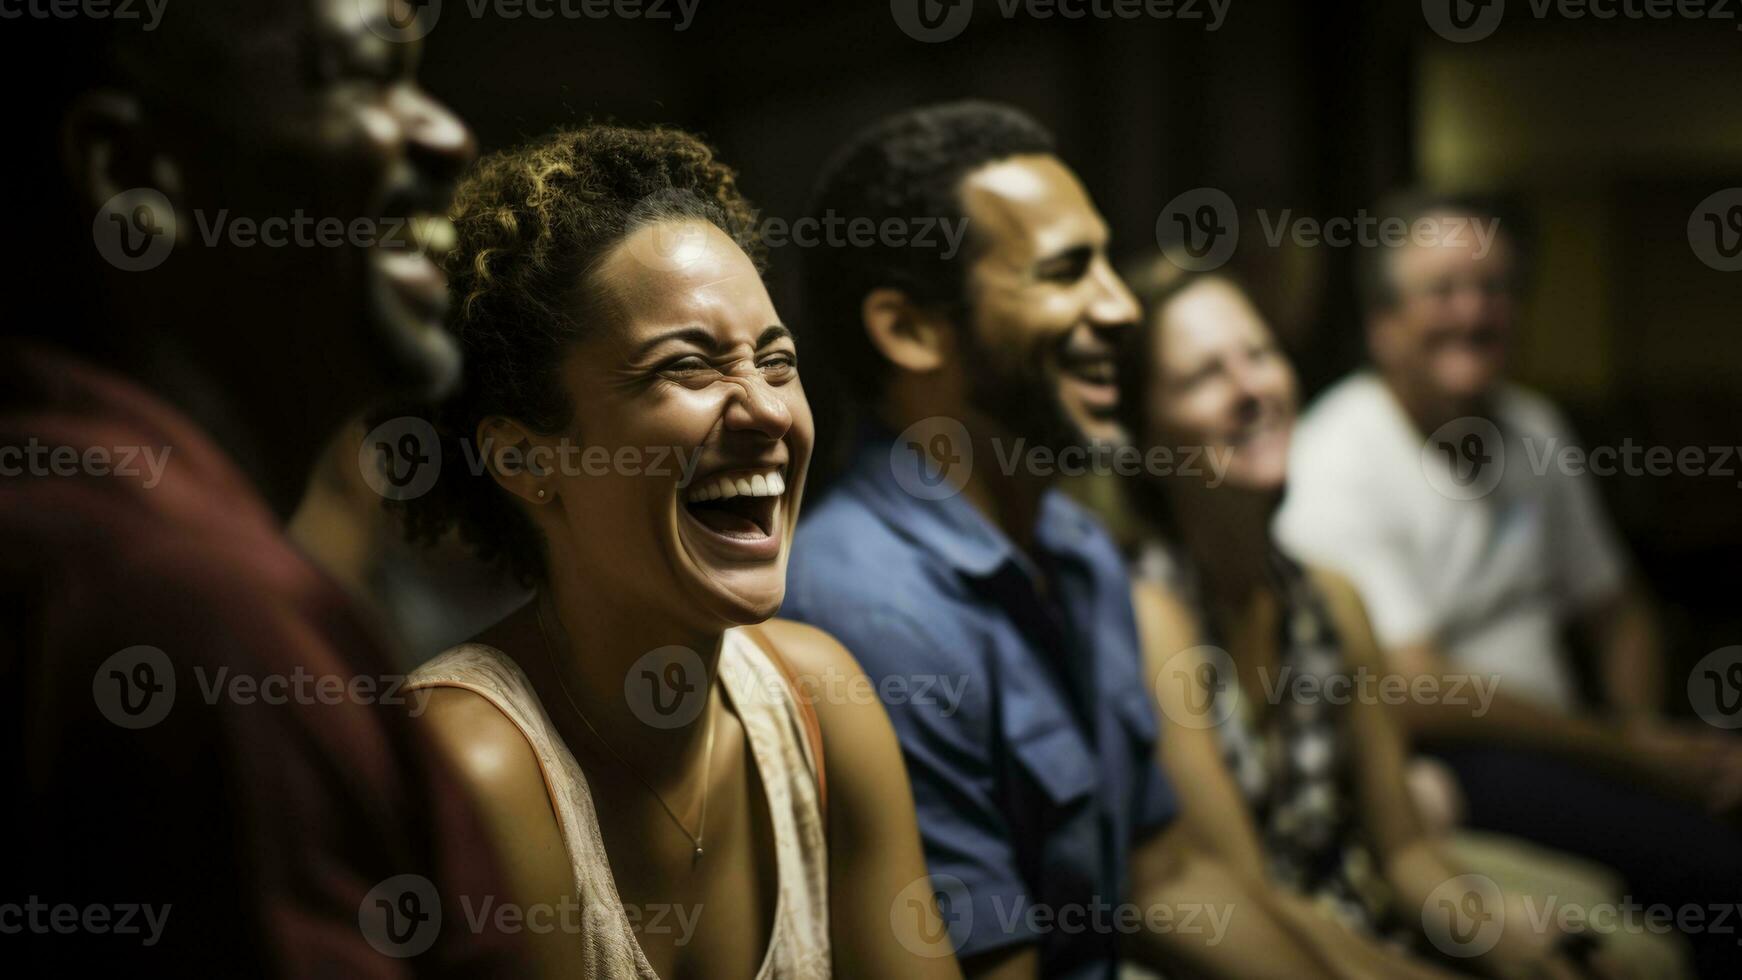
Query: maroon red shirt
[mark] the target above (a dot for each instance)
(209, 769)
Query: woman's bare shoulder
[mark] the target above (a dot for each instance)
(484, 746)
(807, 649)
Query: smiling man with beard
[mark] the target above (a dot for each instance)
(301, 836)
(1040, 801)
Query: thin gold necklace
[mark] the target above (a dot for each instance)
(707, 767)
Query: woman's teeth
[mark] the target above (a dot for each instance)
(769, 483)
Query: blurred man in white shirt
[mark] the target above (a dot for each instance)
(1429, 480)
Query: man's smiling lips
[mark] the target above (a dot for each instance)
(1092, 377)
(408, 255)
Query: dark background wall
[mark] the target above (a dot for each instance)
(1611, 131)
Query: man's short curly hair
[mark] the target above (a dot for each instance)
(908, 167)
(534, 224)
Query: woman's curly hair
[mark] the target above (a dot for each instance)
(533, 225)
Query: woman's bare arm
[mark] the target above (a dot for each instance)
(1215, 826)
(499, 769)
(875, 857)
(1411, 860)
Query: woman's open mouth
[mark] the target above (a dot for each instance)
(740, 509)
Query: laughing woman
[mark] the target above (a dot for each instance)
(669, 797)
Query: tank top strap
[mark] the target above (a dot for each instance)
(608, 944)
(774, 728)
(774, 724)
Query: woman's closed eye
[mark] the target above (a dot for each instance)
(779, 365)
(694, 369)
(689, 365)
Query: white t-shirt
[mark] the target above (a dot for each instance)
(1485, 551)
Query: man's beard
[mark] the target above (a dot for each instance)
(412, 359)
(1020, 395)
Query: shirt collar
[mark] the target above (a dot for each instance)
(950, 527)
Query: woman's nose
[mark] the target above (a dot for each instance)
(755, 406)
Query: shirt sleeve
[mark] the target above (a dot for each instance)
(1589, 561)
(265, 819)
(971, 851)
(1157, 803)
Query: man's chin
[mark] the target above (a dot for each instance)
(1091, 431)
(1465, 386)
(414, 356)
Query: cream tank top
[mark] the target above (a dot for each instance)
(798, 949)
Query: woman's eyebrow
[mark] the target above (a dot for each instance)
(695, 335)
(705, 339)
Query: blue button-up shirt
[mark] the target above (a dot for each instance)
(1023, 714)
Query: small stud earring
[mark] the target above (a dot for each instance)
(541, 494)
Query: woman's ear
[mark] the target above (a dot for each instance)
(519, 460)
(912, 338)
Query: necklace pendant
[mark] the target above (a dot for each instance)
(697, 856)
